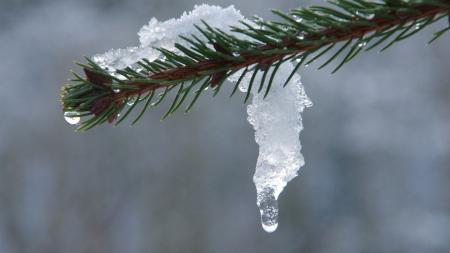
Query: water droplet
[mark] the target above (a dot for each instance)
(131, 101)
(298, 19)
(116, 90)
(364, 15)
(206, 88)
(362, 44)
(268, 208)
(72, 118)
(417, 26)
(307, 65)
(243, 87)
(301, 36)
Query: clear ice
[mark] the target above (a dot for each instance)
(276, 119)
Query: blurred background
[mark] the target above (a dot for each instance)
(376, 144)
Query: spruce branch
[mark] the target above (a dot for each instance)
(303, 36)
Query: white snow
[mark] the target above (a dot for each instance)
(166, 33)
(276, 119)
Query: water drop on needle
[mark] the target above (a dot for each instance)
(131, 101)
(72, 118)
(365, 15)
(301, 36)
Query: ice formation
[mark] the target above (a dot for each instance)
(277, 122)
(276, 119)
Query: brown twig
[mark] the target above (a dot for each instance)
(177, 73)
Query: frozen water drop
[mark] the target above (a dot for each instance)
(268, 208)
(72, 118)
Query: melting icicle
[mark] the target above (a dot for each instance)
(72, 118)
(277, 123)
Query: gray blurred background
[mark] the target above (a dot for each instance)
(376, 143)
